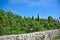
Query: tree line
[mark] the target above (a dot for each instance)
(11, 23)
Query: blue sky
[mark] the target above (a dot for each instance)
(30, 8)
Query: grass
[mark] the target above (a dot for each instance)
(56, 38)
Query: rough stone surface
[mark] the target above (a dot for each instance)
(46, 35)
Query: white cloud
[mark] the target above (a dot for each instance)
(34, 3)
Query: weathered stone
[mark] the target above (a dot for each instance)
(46, 35)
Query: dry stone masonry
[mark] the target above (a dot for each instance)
(46, 35)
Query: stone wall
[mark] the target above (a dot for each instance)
(45, 35)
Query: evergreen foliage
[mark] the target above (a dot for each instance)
(15, 24)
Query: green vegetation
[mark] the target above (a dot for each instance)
(14, 24)
(56, 38)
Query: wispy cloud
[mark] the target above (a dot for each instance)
(34, 2)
